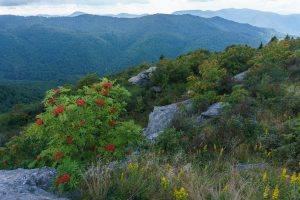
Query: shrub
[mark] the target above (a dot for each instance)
(203, 89)
(77, 129)
(169, 141)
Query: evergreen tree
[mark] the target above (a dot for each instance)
(274, 39)
(261, 46)
(287, 37)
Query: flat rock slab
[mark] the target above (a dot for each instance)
(27, 184)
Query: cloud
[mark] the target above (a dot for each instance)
(62, 2)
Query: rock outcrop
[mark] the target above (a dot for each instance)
(240, 77)
(213, 110)
(27, 184)
(162, 116)
(143, 77)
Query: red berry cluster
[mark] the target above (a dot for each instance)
(39, 121)
(58, 156)
(58, 110)
(65, 178)
(80, 102)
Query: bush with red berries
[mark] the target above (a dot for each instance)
(75, 130)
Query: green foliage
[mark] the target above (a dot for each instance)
(87, 81)
(74, 130)
(238, 95)
(169, 141)
(236, 59)
(203, 89)
(64, 48)
(12, 123)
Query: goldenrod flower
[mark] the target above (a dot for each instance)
(275, 192)
(180, 174)
(168, 166)
(264, 177)
(266, 131)
(266, 192)
(215, 147)
(164, 183)
(133, 167)
(226, 188)
(122, 176)
(284, 174)
(180, 194)
(260, 146)
(294, 178)
(221, 151)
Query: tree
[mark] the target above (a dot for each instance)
(261, 46)
(161, 57)
(274, 39)
(287, 37)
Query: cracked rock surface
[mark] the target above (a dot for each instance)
(27, 184)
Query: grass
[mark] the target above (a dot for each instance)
(153, 178)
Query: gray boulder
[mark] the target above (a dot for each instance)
(156, 89)
(162, 116)
(27, 184)
(143, 77)
(214, 110)
(240, 77)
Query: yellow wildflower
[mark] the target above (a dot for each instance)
(215, 147)
(264, 177)
(260, 146)
(180, 194)
(221, 151)
(266, 131)
(275, 192)
(284, 174)
(226, 188)
(122, 176)
(266, 192)
(133, 167)
(168, 166)
(180, 174)
(164, 183)
(294, 178)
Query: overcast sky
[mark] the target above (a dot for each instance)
(63, 7)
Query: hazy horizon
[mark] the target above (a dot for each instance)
(103, 7)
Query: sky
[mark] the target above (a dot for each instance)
(65, 7)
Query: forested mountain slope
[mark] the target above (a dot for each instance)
(63, 48)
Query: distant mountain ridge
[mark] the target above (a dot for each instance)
(287, 24)
(44, 49)
(78, 13)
